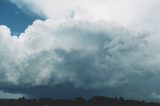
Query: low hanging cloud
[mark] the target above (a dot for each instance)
(83, 55)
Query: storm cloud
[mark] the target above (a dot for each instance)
(75, 56)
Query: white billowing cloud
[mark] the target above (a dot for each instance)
(82, 44)
(88, 55)
(88, 44)
(137, 14)
(9, 55)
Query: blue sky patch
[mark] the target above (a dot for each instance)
(14, 18)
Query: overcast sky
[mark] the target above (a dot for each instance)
(69, 48)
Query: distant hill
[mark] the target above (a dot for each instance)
(78, 101)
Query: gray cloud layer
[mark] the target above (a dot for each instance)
(96, 57)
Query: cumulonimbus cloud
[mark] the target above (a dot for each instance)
(56, 52)
(87, 55)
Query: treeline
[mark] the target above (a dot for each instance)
(79, 101)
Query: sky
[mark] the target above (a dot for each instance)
(70, 48)
(13, 17)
